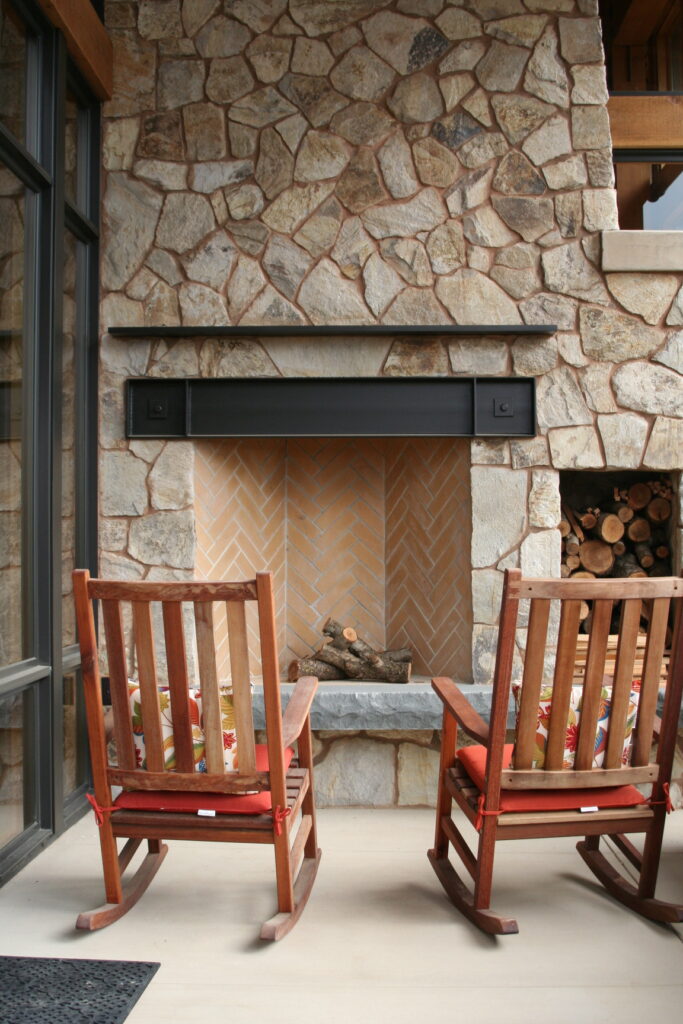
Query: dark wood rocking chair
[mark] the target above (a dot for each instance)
(499, 786)
(257, 798)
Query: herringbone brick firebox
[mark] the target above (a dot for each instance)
(374, 532)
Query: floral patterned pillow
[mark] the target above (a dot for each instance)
(194, 699)
(574, 717)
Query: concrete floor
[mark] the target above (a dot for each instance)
(378, 941)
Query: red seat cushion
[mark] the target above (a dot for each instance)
(473, 760)
(221, 803)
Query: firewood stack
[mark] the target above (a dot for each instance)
(628, 535)
(344, 655)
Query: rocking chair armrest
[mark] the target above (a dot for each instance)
(459, 707)
(297, 709)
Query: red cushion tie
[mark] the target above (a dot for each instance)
(666, 801)
(481, 813)
(278, 817)
(99, 811)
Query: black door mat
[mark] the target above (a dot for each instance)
(42, 990)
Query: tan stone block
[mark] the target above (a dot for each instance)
(269, 57)
(575, 448)
(590, 127)
(486, 452)
(204, 126)
(357, 772)
(422, 737)
(118, 143)
(417, 776)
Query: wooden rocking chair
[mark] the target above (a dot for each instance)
(239, 792)
(523, 790)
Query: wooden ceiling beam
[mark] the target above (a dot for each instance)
(87, 41)
(646, 122)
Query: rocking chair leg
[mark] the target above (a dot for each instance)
(622, 890)
(444, 803)
(461, 897)
(109, 912)
(483, 881)
(282, 923)
(652, 850)
(305, 751)
(113, 864)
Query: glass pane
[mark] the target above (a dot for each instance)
(12, 647)
(68, 440)
(71, 150)
(12, 71)
(73, 768)
(15, 815)
(665, 213)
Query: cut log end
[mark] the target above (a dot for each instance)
(596, 556)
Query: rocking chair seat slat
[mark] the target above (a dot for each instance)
(190, 802)
(473, 760)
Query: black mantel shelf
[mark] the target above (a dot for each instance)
(332, 330)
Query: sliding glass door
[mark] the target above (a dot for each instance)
(49, 162)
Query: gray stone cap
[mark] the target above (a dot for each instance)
(354, 705)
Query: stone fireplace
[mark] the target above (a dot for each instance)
(366, 163)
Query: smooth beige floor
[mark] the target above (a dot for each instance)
(378, 941)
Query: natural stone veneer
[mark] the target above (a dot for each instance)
(377, 161)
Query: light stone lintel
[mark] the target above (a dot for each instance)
(642, 250)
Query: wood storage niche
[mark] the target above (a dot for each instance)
(617, 524)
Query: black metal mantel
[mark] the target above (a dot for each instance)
(330, 330)
(331, 406)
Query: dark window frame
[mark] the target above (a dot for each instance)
(39, 166)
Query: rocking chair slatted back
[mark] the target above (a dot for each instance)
(562, 684)
(179, 683)
(541, 594)
(239, 671)
(118, 681)
(174, 643)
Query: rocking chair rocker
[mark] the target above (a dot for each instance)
(186, 780)
(558, 780)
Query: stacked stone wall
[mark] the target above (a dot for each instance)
(363, 162)
(369, 162)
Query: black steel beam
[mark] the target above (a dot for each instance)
(331, 407)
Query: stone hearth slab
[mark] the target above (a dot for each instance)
(355, 705)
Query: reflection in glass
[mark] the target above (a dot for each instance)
(68, 440)
(14, 817)
(71, 150)
(12, 71)
(73, 769)
(12, 647)
(664, 212)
